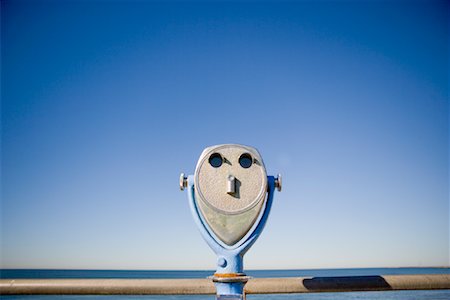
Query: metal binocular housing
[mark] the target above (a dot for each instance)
(230, 197)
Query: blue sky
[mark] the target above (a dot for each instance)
(105, 103)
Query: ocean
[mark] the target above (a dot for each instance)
(387, 295)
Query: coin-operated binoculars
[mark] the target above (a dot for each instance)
(230, 196)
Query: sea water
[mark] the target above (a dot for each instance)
(388, 295)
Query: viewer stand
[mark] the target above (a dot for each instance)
(229, 278)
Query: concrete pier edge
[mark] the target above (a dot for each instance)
(206, 286)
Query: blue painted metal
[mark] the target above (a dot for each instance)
(229, 278)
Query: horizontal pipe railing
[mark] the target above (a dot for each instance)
(205, 286)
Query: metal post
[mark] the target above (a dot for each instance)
(230, 278)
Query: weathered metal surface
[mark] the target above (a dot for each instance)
(205, 286)
(106, 286)
(230, 196)
(230, 189)
(347, 284)
(211, 181)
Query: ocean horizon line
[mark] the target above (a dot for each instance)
(250, 269)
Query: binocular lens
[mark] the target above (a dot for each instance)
(215, 160)
(245, 160)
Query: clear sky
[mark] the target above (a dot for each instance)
(105, 103)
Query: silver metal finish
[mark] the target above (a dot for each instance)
(211, 182)
(231, 185)
(183, 181)
(205, 286)
(230, 190)
(239, 278)
(278, 182)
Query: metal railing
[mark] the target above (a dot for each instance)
(206, 286)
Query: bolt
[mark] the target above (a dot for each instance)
(278, 182)
(183, 181)
(221, 262)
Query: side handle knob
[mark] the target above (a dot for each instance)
(278, 182)
(183, 181)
